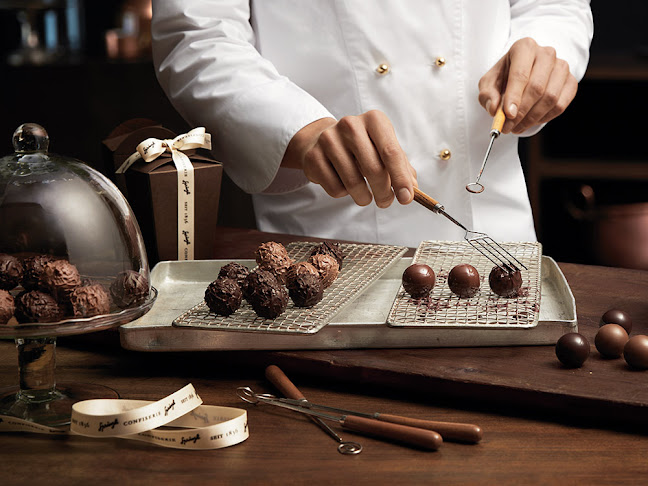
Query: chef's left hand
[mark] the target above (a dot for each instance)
(536, 85)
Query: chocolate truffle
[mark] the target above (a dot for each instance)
(60, 278)
(572, 349)
(129, 289)
(37, 306)
(265, 294)
(7, 306)
(34, 267)
(505, 282)
(327, 267)
(90, 300)
(617, 316)
(418, 280)
(11, 271)
(610, 340)
(273, 257)
(305, 290)
(635, 352)
(300, 268)
(223, 296)
(332, 249)
(235, 271)
(255, 279)
(464, 280)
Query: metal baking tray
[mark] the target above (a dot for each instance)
(361, 325)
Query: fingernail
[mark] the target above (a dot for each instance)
(404, 195)
(513, 110)
(488, 105)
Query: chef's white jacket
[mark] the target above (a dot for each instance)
(256, 72)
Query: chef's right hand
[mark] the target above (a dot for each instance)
(357, 155)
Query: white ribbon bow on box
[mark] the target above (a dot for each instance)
(149, 150)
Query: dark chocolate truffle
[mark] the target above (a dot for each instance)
(418, 280)
(505, 282)
(129, 289)
(327, 267)
(572, 349)
(305, 290)
(88, 301)
(610, 340)
(617, 316)
(11, 271)
(300, 268)
(7, 306)
(464, 280)
(60, 278)
(34, 267)
(273, 257)
(255, 279)
(332, 249)
(37, 306)
(265, 294)
(223, 296)
(635, 352)
(234, 270)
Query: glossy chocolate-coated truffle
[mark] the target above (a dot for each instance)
(266, 295)
(11, 271)
(333, 249)
(635, 352)
(617, 316)
(273, 257)
(464, 280)
(572, 349)
(305, 290)
(223, 296)
(327, 266)
(7, 306)
(34, 267)
(129, 289)
(234, 270)
(505, 282)
(418, 280)
(60, 278)
(610, 340)
(89, 301)
(37, 306)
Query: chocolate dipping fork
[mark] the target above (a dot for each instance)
(481, 242)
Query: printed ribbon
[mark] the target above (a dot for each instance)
(149, 150)
(197, 426)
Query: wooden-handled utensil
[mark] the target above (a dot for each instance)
(496, 129)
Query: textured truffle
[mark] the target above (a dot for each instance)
(223, 296)
(34, 267)
(273, 257)
(129, 289)
(60, 278)
(7, 306)
(464, 280)
(37, 306)
(418, 280)
(300, 268)
(88, 301)
(327, 266)
(505, 282)
(11, 271)
(265, 294)
(332, 249)
(306, 290)
(235, 271)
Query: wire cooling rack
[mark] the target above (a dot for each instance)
(362, 265)
(442, 308)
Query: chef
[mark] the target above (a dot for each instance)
(329, 112)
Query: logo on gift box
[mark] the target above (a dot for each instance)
(186, 237)
(166, 409)
(112, 424)
(190, 439)
(186, 186)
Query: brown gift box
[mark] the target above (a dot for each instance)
(152, 191)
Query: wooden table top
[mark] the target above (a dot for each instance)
(520, 444)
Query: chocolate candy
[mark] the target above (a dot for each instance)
(11, 271)
(305, 290)
(223, 296)
(60, 278)
(265, 294)
(418, 280)
(37, 306)
(332, 249)
(572, 349)
(89, 301)
(464, 280)
(327, 266)
(610, 340)
(273, 257)
(129, 289)
(34, 267)
(7, 306)
(617, 316)
(234, 270)
(635, 352)
(505, 282)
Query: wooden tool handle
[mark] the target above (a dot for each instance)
(282, 382)
(426, 201)
(426, 439)
(452, 431)
(498, 120)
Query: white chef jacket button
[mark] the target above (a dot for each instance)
(440, 61)
(445, 154)
(383, 68)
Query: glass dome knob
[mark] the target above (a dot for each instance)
(30, 137)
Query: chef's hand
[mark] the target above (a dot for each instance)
(536, 86)
(357, 155)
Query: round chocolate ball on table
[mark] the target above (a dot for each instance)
(90, 300)
(505, 281)
(234, 270)
(464, 280)
(617, 316)
(129, 289)
(418, 280)
(610, 340)
(223, 296)
(7, 306)
(34, 267)
(11, 271)
(37, 306)
(305, 289)
(572, 349)
(60, 278)
(635, 352)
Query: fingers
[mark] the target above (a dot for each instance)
(521, 61)
(492, 84)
